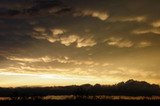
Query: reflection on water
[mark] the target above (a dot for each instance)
(59, 97)
(72, 97)
(4, 98)
(103, 97)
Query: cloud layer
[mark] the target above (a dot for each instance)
(107, 40)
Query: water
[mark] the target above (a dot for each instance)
(71, 97)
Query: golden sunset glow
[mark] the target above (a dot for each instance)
(69, 43)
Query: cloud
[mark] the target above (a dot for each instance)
(31, 60)
(39, 29)
(33, 8)
(145, 31)
(85, 42)
(69, 40)
(51, 39)
(143, 44)
(119, 42)
(57, 31)
(44, 59)
(129, 19)
(141, 31)
(53, 35)
(59, 36)
(106, 64)
(85, 62)
(123, 43)
(134, 73)
(41, 33)
(156, 23)
(93, 13)
(80, 42)
(52, 65)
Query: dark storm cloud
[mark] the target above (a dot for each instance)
(121, 9)
(93, 37)
(30, 8)
(123, 18)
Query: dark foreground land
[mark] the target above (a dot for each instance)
(81, 103)
(84, 95)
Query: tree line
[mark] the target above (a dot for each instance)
(128, 88)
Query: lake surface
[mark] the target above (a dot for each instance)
(104, 97)
(64, 97)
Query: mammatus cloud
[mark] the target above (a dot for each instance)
(119, 42)
(86, 42)
(59, 35)
(80, 42)
(41, 33)
(93, 13)
(68, 40)
(57, 31)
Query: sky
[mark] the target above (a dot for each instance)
(68, 42)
